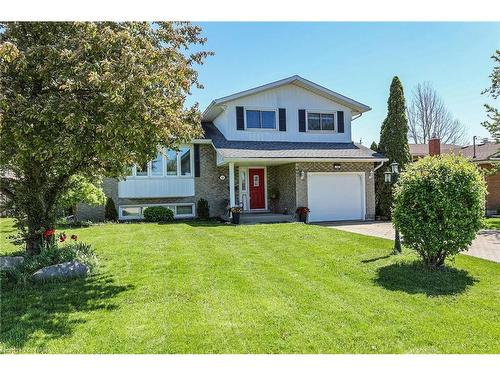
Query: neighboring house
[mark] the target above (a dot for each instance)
(290, 138)
(483, 154)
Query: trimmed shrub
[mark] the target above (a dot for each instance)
(158, 214)
(203, 209)
(438, 206)
(110, 213)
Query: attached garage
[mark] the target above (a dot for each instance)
(336, 196)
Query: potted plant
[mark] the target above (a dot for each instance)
(235, 214)
(302, 212)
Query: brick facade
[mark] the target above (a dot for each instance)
(285, 178)
(493, 185)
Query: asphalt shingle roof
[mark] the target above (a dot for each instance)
(260, 149)
(484, 151)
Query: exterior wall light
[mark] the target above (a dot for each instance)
(336, 165)
(302, 175)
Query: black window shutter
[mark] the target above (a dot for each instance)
(340, 121)
(282, 119)
(302, 120)
(196, 160)
(240, 121)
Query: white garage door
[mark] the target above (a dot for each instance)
(336, 196)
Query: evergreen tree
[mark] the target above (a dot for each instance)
(374, 146)
(110, 213)
(393, 145)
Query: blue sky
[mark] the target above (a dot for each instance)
(357, 60)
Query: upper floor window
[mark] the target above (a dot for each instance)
(141, 170)
(320, 121)
(260, 119)
(169, 163)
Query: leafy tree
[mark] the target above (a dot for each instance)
(81, 190)
(439, 206)
(374, 146)
(110, 213)
(89, 99)
(393, 144)
(493, 122)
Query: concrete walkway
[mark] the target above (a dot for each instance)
(486, 245)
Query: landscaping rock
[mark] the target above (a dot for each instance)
(66, 270)
(9, 263)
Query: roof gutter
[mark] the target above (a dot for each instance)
(298, 160)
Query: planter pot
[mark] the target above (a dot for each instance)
(235, 218)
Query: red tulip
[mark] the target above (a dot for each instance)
(74, 237)
(48, 233)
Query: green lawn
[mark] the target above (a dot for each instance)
(280, 288)
(492, 223)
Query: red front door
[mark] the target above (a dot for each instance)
(256, 184)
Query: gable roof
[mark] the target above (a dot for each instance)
(214, 108)
(287, 150)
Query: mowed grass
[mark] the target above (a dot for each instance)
(279, 288)
(492, 223)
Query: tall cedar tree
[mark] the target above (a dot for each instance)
(88, 99)
(393, 145)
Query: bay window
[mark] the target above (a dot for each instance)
(157, 165)
(169, 163)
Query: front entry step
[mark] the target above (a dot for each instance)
(258, 218)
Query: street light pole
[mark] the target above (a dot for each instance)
(392, 178)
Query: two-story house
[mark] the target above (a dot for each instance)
(275, 147)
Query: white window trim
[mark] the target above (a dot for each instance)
(322, 112)
(164, 167)
(275, 110)
(182, 216)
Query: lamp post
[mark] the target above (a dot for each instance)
(391, 178)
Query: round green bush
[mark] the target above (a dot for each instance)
(438, 206)
(157, 214)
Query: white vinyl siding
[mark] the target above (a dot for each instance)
(292, 98)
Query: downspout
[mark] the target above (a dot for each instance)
(372, 173)
(356, 117)
(378, 166)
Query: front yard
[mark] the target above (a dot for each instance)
(492, 223)
(280, 288)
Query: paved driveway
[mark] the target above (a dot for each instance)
(486, 245)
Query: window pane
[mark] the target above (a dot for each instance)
(313, 121)
(131, 211)
(142, 170)
(253, 119)
(243, 181)
(268, 119)
(157, 165)
(185, 210)
(185, 155)
(327, 122)
(171, 163)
